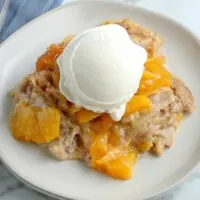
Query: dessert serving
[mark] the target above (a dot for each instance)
(104, 97)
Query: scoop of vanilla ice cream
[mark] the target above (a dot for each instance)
(101, 69)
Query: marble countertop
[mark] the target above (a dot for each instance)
(182, 10)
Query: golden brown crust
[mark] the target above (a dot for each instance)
(183, 93)
(148, 39)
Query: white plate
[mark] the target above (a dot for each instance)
(73, 179)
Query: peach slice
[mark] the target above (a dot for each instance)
(33, 124)
(156, 66)
(99, 147)
(150, 83)
(137, 103)
(118, 162)
(84, 116)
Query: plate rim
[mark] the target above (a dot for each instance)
(25, 180)
(57, 196)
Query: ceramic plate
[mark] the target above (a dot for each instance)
(72, 179)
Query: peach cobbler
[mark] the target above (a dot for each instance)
(109, 139)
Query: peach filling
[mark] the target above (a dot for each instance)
(33, 124)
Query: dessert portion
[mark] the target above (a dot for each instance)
(104, 97)
(101, 69)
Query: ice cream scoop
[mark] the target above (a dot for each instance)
(100, 69)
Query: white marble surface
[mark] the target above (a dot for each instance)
(185, 11)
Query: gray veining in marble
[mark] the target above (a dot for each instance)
(12, 188)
